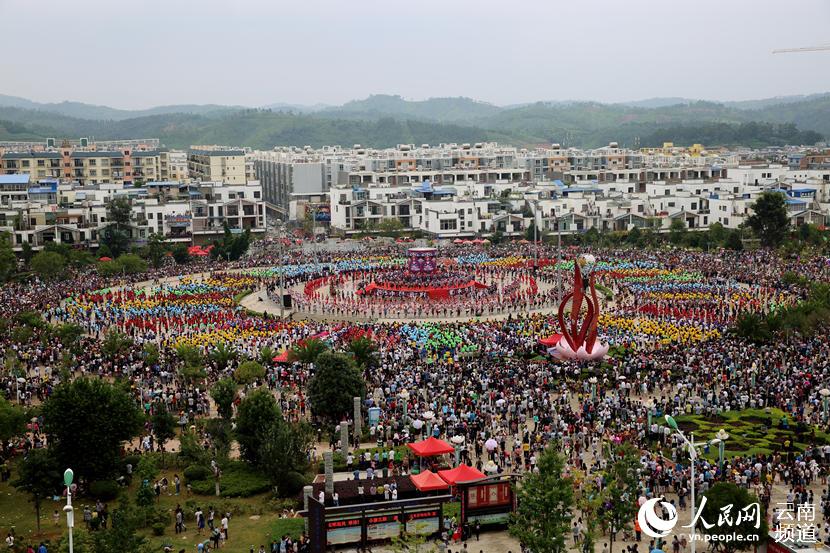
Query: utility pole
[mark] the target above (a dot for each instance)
(558, 261)
(535, 234)
(282, 270)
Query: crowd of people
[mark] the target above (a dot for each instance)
(483, 378)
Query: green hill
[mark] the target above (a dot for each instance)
(388, 120)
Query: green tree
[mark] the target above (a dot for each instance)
(122, 535)
(677, 231)
(733, 240)
(545, 503)
(232, 246)
(39, 476)
(151, 354)
(717, 233)
(164, 425)
(12, 423)
(180, 254)
(189, 355)
(592, 236)
(131, 264)
(90, 415)
(8, 261)
(634, 237)
(308, 351)
(116, 236)
(283, 454)
(769, 220)
(364, 352)
(266, 356)
(219, 431)
(254, 417)
(69, 335)
(115, 343)
(621, 492)
(531, 233)
(222, 354)
(224, 394)
(248, 372)
(753, 327)
(156, 249)
(48, 265)
(390, 225)
(26, 252)
(335, 384)
(729, 498)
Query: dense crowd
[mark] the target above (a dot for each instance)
(487, 380)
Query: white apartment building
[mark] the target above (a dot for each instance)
(72, 213)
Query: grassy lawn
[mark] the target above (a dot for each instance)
(751, 431)
(254, 520)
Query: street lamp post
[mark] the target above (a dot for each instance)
(721, 436)
(457, 440)
(558, 260)
(405, 399)
(282, 270)
(428, 416)
(691, 446)
(825, 397)
(68, 476)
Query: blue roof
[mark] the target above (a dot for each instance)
(558, 182)
(803, 190)
(793, 201)
(15, 179)
(41, 190)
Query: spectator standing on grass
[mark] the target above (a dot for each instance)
(225, 525)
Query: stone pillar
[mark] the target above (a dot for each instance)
(328, 465)
(307, 491)
(344, 438)
(358, 420)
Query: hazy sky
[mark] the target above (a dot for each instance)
(253, 52)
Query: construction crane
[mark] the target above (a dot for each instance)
(805, 49)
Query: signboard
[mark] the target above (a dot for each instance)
(323, 213)
(489, 495)
(492, 518)
(177, 220)
(344, 531)
(423, 523)
(383, 527)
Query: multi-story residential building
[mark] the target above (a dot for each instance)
(218, 165)
(74, 213)
(90, 164)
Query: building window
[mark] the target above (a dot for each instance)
(448, 224)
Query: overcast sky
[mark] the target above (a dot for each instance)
(144, 53)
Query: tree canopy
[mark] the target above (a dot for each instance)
(545, 504)
(769, 220)
(335, 384)
(90, 415)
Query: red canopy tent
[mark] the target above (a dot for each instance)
(430, 447)
(428, 481)
(551, 340)
(281, 358)
(105, 259)
(461, 473)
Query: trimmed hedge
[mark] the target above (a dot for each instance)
(105, 490)
(197, 472)
(238, 480)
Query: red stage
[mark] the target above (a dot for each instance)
(434, 293)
